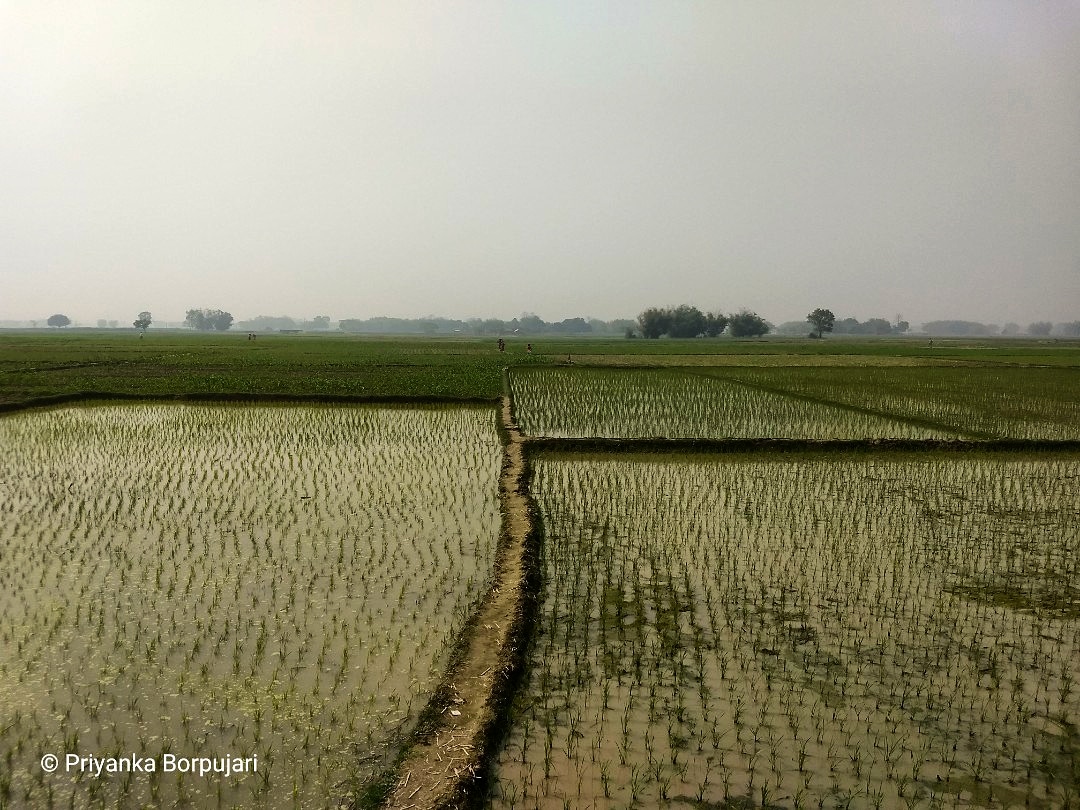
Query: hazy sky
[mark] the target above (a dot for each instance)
(566, 158)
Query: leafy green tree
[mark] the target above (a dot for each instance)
(822, 320)
(571, 326)
(207, 320)
(654, 322)
(1040, 328)
(143, 321)
(531, 324)
(58, 320)
(686, 322)
(747, 324)
(877, 326)
(715, 323)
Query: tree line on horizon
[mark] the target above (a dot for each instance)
(686, 321)
(525, 324)
(823, 320)
(683, 321)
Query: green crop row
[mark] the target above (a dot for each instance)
(168, 363)
(991, 402)
(35, 365)
(631, 403)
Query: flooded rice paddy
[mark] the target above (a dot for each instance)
(1016, 402)
(211, 581)
(883, 630)
(880, 632)
(632, 403)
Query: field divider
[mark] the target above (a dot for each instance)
(781, 446)
(89, 397)
(443, 765)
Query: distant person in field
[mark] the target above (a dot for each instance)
(528, 348)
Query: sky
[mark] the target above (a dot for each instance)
(485, 159)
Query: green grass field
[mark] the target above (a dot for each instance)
(161, 364)
(43, 365)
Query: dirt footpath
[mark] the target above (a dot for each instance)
(443, 767)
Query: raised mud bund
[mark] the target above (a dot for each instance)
(443, 765)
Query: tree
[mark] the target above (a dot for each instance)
(686, 322)
(221, 321)
(531, 324)
(877, 326)
(58, 320)
(715, 323)
(206, 320)
(822, 320)
(747, 324)
(954, 328)
(143, 321)
(571, 326)
(1040, 328)
(654, 322)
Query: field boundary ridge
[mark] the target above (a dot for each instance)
(780, 446)
(443, 765)
(91, 397)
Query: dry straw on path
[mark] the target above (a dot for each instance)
(443, 766)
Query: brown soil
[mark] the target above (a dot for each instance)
(443, 766)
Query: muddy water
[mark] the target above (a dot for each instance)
(797, 633)
(211, 582)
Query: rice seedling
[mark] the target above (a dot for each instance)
(232, 581)
(887, 631)
(626, 403)
(994, 401)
